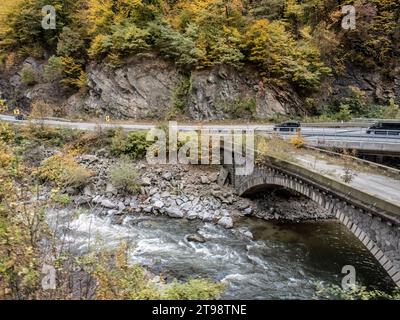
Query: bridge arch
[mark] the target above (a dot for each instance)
(379, 235)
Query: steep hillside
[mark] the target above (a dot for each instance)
(204, 59)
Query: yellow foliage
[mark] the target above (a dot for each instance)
(298, 140)
(6, 132)
(6, 156)
(41, 109)
(63, 171)
(103, 13)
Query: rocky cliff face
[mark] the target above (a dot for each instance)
(150, 87)
(147, 88)
(142, 88)
(224, 92)
(376, 88)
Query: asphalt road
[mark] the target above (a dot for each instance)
(314, 135)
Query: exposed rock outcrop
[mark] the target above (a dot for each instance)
(141, 88)
(146, 87)
(219, 93)
(376, 88)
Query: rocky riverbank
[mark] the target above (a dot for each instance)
(183, 192)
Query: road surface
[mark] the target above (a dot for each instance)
(349, 138)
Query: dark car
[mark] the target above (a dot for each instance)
(387, 128)
(19, 117)
(288, 126)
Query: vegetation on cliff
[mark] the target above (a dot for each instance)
(288, 40)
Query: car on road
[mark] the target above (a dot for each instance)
(387, 128)
(288, 126)
(20, 117)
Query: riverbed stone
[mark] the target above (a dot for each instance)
(111, 189)
(191, 215)
(195, 238)
(158, 204)
(204, 180)
(121, 206)
(167, 176)
(108, 204)
(226, 222)
(165, 194)
(112, 212)
(208, 216)
(174, 212)
(146, 181)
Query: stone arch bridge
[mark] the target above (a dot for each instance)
(374, 221)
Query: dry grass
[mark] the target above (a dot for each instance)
(275, 146)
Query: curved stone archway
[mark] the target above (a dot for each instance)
(380, 236)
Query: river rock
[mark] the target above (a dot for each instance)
(191, 215)
(174, 212)
(226, 222)
(245, 232)
(111, 189)
(112, 212)
(133, 203)
(97, 199)
(158, 204)
(108, 204)
(87, 190)
(248, 211)
(167, 176)
(146, 181)
(148, 209)
(208, 216)
(195, 238)
(88, 158)
(152, 191)
(165, 194)
(204, 180)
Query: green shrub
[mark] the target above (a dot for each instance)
(68, 71)
(125, 39)
(123, 175)
(344, 114)
(56, 137)
(392, 111)
(195, 289)
(245, 108)
(71, 44)
(117, 279)
(54, 69)
(28, 75)
(133, 144)
(180, 96)
(6, 132)
(355, 293)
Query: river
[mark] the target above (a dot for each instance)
(282, 261)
